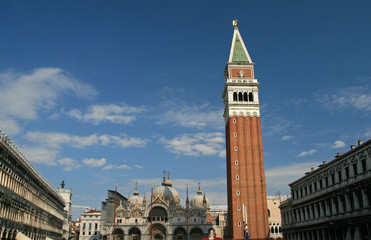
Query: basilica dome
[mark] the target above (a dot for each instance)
(135, 199)
(166, 192)
(198, 200)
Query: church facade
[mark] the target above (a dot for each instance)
(160, 218)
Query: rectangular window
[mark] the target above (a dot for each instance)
(83, 226)
(346, 172)
(326, 179)
(315, 186)
(96, 225)
(83, 233)
(89, 226)
(355, 170)
(310, 188)
(320, 184)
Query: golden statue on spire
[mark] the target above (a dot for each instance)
(235, 23)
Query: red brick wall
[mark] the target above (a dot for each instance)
(251, 182)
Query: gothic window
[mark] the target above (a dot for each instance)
(251, 97)
(234, 96)
(272, 229)
(236, 162)
(237, 177)
(269, 213)
(238, 192)
(245, 97)
(235, 148)
(234, 120)
(240, 96)
(235, 134)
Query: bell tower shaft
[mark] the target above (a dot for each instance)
(246, 187)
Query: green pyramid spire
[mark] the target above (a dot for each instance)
(239, 54)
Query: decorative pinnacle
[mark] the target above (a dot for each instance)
(235, 23)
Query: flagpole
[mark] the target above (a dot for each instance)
(151, 209)
(114, 214)
(187, 206)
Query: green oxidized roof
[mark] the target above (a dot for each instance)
(239, 54)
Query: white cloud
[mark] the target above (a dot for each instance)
(121, 114)
(286, 137)
(195, 116)
(23, 96)
(69, 164)
(278, 178)
(114, 166)
(307, 153)
(338, 144)
(138, 166)
(41, 155)
(343, 98)
(55, 140)
(199, 144)
(94, 162)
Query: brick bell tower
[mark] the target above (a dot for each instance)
(247, 195)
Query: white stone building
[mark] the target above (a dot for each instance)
(29, 205)
(67, 196)
(274, 215)
(90, 225)
(332, 202)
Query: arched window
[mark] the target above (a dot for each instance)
(269, 213)
(251, 97)
(245, 96)
(275, 230)
(272, 229)
(234, 96)
(240, 96)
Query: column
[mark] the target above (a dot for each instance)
(334, 211)
(357, 234)
(347, 202)
(364, 197)
(348, 234)
(356, 200)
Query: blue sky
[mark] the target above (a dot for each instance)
(98, 92)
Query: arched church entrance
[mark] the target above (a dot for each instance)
(158, 232)
(118, 234)
(196, 234)
(180, 234)
(134, 234)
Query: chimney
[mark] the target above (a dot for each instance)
(360, 142)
